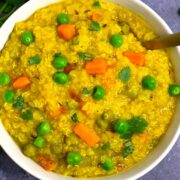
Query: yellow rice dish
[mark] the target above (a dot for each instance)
(80, 95)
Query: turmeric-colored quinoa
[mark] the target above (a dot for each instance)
(80, 94)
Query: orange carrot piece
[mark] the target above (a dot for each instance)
(95, 16)
(108, 82)
(66, 31)
(86, 134)
(96, 66)
(21, 82)
(135, 58)
(47, 163)
(112, 65)
(143, 136)
(57, 112)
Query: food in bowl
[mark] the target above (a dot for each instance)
(81, 96)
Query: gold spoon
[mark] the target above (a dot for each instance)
(163, 42)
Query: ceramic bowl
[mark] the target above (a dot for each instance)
(164, 145)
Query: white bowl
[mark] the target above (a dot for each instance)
(158, 153)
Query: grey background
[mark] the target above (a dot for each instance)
(169, 168)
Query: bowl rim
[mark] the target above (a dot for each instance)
(135, 176)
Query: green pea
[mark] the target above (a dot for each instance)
(96, 4)
(60, 77)
(98, 92)
(4, 79)
(107, 165)
(121, 126)
(62, 18)
(44, 128)
(8, 96)
(27, 38)
(174, 90)
(95, 26)
(34, 59)
(74, 158)
(27, 115)
(149, 82)
(74, 117)
(116, 40)
(59, 61)
(39, 142)
(85, 91)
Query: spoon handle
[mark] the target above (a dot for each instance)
(163, 42)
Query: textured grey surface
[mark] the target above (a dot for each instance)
(169, 168)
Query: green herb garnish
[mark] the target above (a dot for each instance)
(27, 115)
(94, 26)
(96, 4)
(124, 74)
(126, 128)
(19, 103)
(106, 146)
(85, 91)
(74, 117)
(85, 56)
(128, 149)
(75, 41)
(137, 125)
(36, 59)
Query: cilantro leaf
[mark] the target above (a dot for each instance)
(137, 124)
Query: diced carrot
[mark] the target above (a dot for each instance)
(112, 65)
(86, 134)
(143, 137)
(66, 31)
(135, 58)
(95, 16)
(21, 82)
(46, 162)
(96, 66)
(57, 112)
(108, 82)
